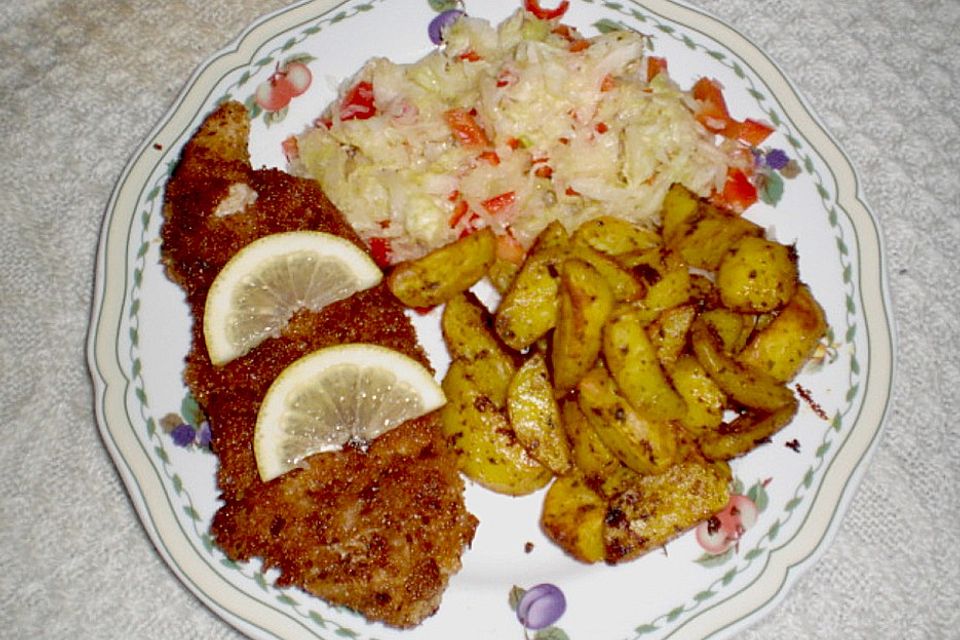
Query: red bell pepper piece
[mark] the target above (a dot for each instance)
(738, 192)
(753, 132)
(655, 66)
(459, 212)
(498, 203)
(291, 149)
(533, 6)
(565, 32)
(490, 156)
(509, 248)
(466, 128)
(380, 251)
(358, 103)
(712, 113)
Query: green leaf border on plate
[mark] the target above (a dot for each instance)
(149, 212)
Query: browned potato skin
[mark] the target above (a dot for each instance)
(668, 333)
(734, 439)
(501, 274)
(444, 272)
(623, 284)
(553, 236)
(654, 509)
(591, 457)
(585, 303)
(748, 386)
(680, 207)
(486, 446)
(784, 346)
(573, 517)
(643, 445)
(626, 483)
(633, 363)
(535, 415)
(466, 327)
(757, 276)
(674, 288)
(615, 236)
(703, 241)
(529, 307)
(705, 400)
(731, 327)
(698, 231)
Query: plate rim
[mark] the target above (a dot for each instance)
(741, 609)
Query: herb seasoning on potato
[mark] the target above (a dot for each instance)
(611, 365)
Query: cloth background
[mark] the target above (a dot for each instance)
(82, 82)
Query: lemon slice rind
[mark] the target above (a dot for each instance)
(260, 288)
(337, 395)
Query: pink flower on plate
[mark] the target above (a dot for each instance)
(723, 530)
(283, 85)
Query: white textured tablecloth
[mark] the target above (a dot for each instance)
(82, 82)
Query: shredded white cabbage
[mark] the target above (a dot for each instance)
(568, 133)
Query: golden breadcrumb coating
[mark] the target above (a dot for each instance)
(379, 531)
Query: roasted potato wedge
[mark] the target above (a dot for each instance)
(633, 363)
(444, 272)
(486, 446)
(585, 303)
(680, 207)
(614, 236)
(529, 308)
(757, 275)
(668, 333)
(745, 433)
(573, 517)
(704, 292)
(704, 399)
(654, 509)
(644, 445)
(535, 415)
(591, 457)
(782, 347)
(501, 274)
(703, 241)
(623, 284)
(732, 328)
(744, 384)
(650, 346)
(466, 326)
(672, 289)
(553, 236)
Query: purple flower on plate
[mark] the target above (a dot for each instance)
(183, 435)
(204, 435)
(441, 23)
(776, 159)
(541, 606)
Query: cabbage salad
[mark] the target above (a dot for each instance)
(511, 127)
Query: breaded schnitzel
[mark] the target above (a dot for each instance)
(379, 531)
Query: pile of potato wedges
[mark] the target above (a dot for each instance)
(624, 366)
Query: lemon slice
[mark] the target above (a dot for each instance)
(349, 393)
(265, 283)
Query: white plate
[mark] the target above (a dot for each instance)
(139, 336)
